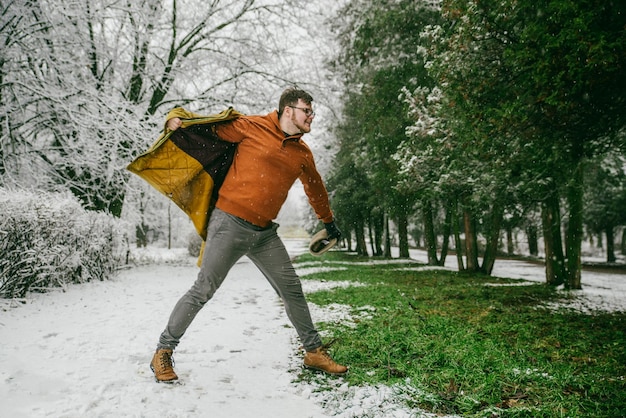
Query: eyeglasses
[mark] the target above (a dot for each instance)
(307, 112)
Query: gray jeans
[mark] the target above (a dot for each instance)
(228, 239)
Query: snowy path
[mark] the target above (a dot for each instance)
(85, 352)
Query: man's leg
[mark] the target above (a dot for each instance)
(223, 249)
(226, 243)
(271, 257)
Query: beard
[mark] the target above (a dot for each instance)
(302, 127)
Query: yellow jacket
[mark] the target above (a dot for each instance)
(187, 165)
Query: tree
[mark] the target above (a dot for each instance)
(377, 60)
(605, 197)
(351, 194)
(86, 83)
(544, 80)
(427, 159)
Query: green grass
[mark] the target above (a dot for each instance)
(459, 347)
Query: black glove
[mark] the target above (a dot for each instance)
(333, 231)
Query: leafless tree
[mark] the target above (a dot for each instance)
(84, 84)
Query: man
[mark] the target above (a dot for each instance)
(270, 156)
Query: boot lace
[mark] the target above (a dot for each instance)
(325, 347)
(166, 361)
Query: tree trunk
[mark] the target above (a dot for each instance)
(533, 246)
(349, 239)
(575, 192)
(169, 226)
(378, 234)
(551, 222)
(361, 247)
(371, 229)
(429, 232)
(447, 227)
(471, 242)
(403, 235)
(510, 248)
(141, 235)
(491, 250)
(387, 237)
(457, 236)
(624, 241)
(610, 245)
(3, 121)
(141, 230)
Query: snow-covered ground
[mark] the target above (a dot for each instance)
(84, 351)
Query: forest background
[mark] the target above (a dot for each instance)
(458, 126)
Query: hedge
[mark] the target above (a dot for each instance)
(47, 240)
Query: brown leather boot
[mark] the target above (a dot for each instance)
(162, 365)
(319, 359)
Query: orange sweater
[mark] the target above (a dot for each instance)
(265, 166)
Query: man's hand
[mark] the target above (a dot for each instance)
(333, 231)
(174, 124)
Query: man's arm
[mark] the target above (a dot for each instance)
(317, 194)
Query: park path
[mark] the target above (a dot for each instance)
(85, 352)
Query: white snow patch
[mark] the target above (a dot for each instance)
(423, 268)
(510, 284)
(311, 286)
(307, 271)
(369, 401)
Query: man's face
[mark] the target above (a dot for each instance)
(299, 117)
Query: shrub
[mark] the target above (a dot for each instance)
(48, 240)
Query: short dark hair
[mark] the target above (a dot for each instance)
(291, 96)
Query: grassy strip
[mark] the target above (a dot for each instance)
(460, 347)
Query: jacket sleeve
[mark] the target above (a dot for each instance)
(189, 118)
(188, 165)
(316, 192)
(234, 131)
(179, 112)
